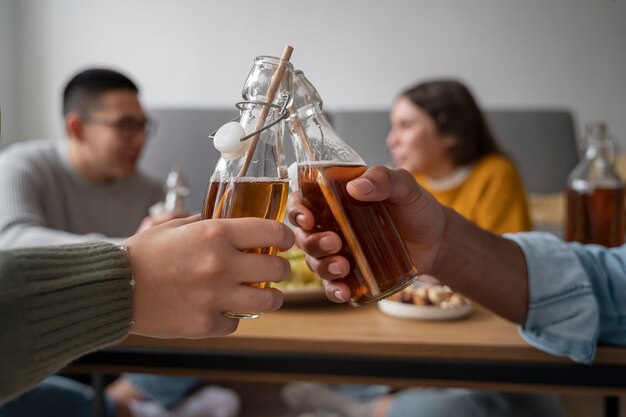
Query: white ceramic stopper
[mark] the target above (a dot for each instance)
(227, 140)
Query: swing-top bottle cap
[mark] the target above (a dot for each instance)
(227, 140)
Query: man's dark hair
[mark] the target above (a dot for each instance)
(82, 93)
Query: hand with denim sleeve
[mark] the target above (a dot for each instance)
(487, 268)
(576, 296)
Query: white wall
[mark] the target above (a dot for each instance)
(8, 68)
(565, 53)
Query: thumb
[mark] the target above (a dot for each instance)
(397, 186)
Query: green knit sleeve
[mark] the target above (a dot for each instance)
(56, 304)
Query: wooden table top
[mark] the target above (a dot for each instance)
(341, 329)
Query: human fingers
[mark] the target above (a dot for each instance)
(379, 183)
(252, 299)
(318, 244)
(337, 291)
(298, 214)
(223, 326)
(252, 267)
(162, 307)
(330, 267)
(251, 233)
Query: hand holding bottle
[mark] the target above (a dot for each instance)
(379, 264)
(250, 178)
(189, 272)
(488, 268)
(418, 217)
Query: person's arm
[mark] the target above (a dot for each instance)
(577, 295)
(22, 211)
(566, 297)
(58, 303)
(606, 269)
(484, 266)
(563, 306)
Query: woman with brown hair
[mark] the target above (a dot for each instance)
(439, 135)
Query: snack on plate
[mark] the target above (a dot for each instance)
(302, 278)
(434, 296)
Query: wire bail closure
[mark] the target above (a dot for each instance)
(241, 105)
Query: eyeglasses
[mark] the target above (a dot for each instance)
(128, 127)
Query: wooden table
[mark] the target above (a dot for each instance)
(338, 343)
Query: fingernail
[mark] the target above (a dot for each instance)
(334, 269)
(337, 295)
(300, 219)
(326, 243)
(363, 185)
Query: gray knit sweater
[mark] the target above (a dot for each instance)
(56, 304)
(46, 202)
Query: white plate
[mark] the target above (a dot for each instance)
(411, 311)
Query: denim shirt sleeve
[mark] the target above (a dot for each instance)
(563, 314)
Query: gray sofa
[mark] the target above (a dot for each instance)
(542, 143)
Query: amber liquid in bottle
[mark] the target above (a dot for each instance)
(247, 197)
(597, 216)
(380, 264)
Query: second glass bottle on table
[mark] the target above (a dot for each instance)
(380, 264)
(253, 181)
(595, 193)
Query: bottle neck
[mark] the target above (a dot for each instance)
(315, 115)
(599, 148)
(315, 139)
(596, 170)
(594, 149)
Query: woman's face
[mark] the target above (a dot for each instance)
(414, 141)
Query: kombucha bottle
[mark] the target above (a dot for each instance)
(595, 193)
(252, 180)
(379, 260)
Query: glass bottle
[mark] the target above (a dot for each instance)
(253, 181)
(176, 191)
(380, 264)
(595, 193)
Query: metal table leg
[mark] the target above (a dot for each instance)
(97, 382)
(611, 406)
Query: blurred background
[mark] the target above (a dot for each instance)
(568, 55)
(360, 55)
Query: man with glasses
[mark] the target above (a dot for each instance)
(88, 188)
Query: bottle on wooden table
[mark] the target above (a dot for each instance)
(595, 193)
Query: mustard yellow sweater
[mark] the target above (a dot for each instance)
(492, 196)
